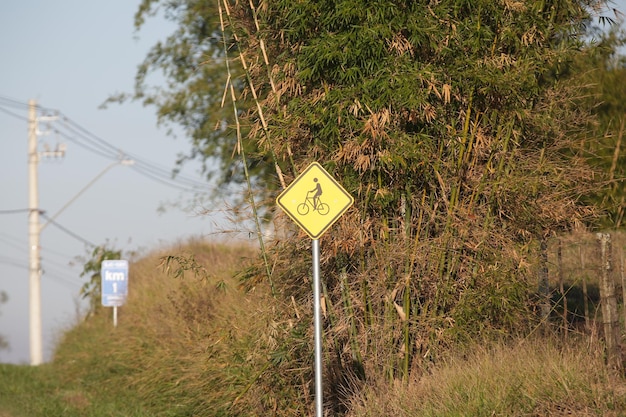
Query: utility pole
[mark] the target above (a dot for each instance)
(34, 265)
(35, 228)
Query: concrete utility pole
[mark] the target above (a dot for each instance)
(35, 227)
(34, 264)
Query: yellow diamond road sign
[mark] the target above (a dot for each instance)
(314, 200)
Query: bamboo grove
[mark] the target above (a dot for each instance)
(458, 126)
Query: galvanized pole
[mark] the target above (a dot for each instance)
(114, 316)
(318, 328)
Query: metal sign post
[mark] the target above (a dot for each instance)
(318, 328)
(314, 201)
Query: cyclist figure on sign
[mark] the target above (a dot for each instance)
(318, 192)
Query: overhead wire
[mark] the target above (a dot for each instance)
(91, 145)
(52, 269)
(8, 101)
(10, 261)
(67, 231)
(65, 127)
(10, 113)
(14, 211)
(20, 245)
(141, 164)
(74, 132)
(13, 104)
(60, 279)
(160, 170)
(61, 125)
(56, 263)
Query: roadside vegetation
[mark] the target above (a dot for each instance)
(191, 341)
(469, 133)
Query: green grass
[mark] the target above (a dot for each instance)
(38, 391)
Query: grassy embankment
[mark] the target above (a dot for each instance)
(194, 345)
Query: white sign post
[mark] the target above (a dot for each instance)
(114, 274)
(314, 200)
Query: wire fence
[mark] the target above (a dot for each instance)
(586, 287)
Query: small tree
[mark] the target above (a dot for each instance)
(92, 289)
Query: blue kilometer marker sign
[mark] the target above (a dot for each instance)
(114, 275)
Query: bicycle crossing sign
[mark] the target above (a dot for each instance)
(314, 200)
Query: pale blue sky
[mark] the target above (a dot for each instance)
(70, 55)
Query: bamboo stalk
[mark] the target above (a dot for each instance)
(505, 158)
(264, 124)
(616, 152)
(327, 306)
(620, 213)
(262, 45)
(345, 292)
(244, 159)
(544, 284)
(408, 269)
(271, 80)
(406, 329)
(466, 125)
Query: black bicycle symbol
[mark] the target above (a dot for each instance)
(314, 202)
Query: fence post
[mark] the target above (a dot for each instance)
(610, 319)
(559, 255)
(544, 283)
(585, 293)
(623, 278)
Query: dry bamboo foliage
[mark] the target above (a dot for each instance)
(400, 45)
(453, 188)
(375, 125)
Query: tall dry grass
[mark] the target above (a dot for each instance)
(189, 340)
(530, 378)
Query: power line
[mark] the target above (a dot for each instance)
(55, 263)
(67, 231)
(10, 113)
(13, 101)
(143, 166)
(24, 210)
(46, 273)
(21, 247)
(72, 131)
(61, 280)
(54, 267)
(10, 261)
(90, 146)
